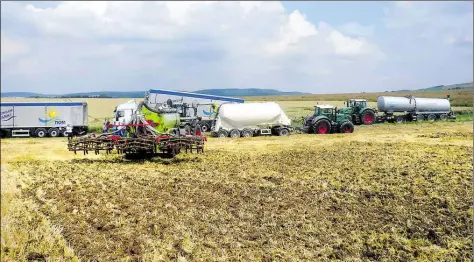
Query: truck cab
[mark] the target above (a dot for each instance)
(123, 112)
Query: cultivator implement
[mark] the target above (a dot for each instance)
(165, 146)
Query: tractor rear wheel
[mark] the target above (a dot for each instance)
(222, 133)
(234, 133)
(368, 117)
(322, 127)
(347, 127)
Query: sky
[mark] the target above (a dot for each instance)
(315, 47)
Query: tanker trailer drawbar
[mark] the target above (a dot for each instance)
(410, 108)
(251, 119)
(41, 119)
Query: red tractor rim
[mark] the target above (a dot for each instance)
(347, 129)
(368, 119)
(323, 128)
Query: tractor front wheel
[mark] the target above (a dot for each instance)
(322, 127)
(347, 127)
(368, 117)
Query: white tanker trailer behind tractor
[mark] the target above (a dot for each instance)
(398, 109)
(412, 108)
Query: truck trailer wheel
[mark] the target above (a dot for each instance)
(368, 117)
(443, 117)
(40, 132)
(322, 127)
(222, 133)
(400, 119)
(204, 128)
(53, 132)
(284, 132)
(247, 133)
(431, 117)
(4, 133)
(347, 127)
(234, 133)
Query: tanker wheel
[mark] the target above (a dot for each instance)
(347, 127)
(400, 119)
(53, 132)
(322, 127)
(368, 117)
(247, 133)
(40, 132)
(284, 132)
(222, 133)
(431, 117)
(420, 118)
(443, 117)
(234, 133)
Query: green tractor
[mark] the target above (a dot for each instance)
(326, 120)
(358, 112)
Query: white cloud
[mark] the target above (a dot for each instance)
(12, 48)
(211, 44)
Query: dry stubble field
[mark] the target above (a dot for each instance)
(384, 193)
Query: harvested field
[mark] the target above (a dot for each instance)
(385, 193)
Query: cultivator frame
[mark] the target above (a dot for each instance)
(166, 146)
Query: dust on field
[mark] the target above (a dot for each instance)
(381, 193)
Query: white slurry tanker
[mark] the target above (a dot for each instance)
(251, 119)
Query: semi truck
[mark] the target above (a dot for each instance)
(250, 119)
(41, 119)
(205, 105)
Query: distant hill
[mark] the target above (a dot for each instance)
(246, 92)
(469, 85)
(141, 94)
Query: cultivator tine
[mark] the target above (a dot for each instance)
(137, 145)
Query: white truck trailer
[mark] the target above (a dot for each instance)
(250, 119)
(206, 105)
(41, 119)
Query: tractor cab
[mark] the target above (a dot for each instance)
(330, 112)
(354, 106)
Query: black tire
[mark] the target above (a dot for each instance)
(222, 133)
(234, 133)
(284, 132)
(420, 118)
(247, 133)
(64, 133)
(322, 126)
(431, 117)
(205, 128)
(4, 133)
(400, 119)
(368, 117)
(346, 127)
(40, 132)
(53, 132)
(443, 117)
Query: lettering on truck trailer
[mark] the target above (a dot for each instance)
(7, 115)
(53, 118)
